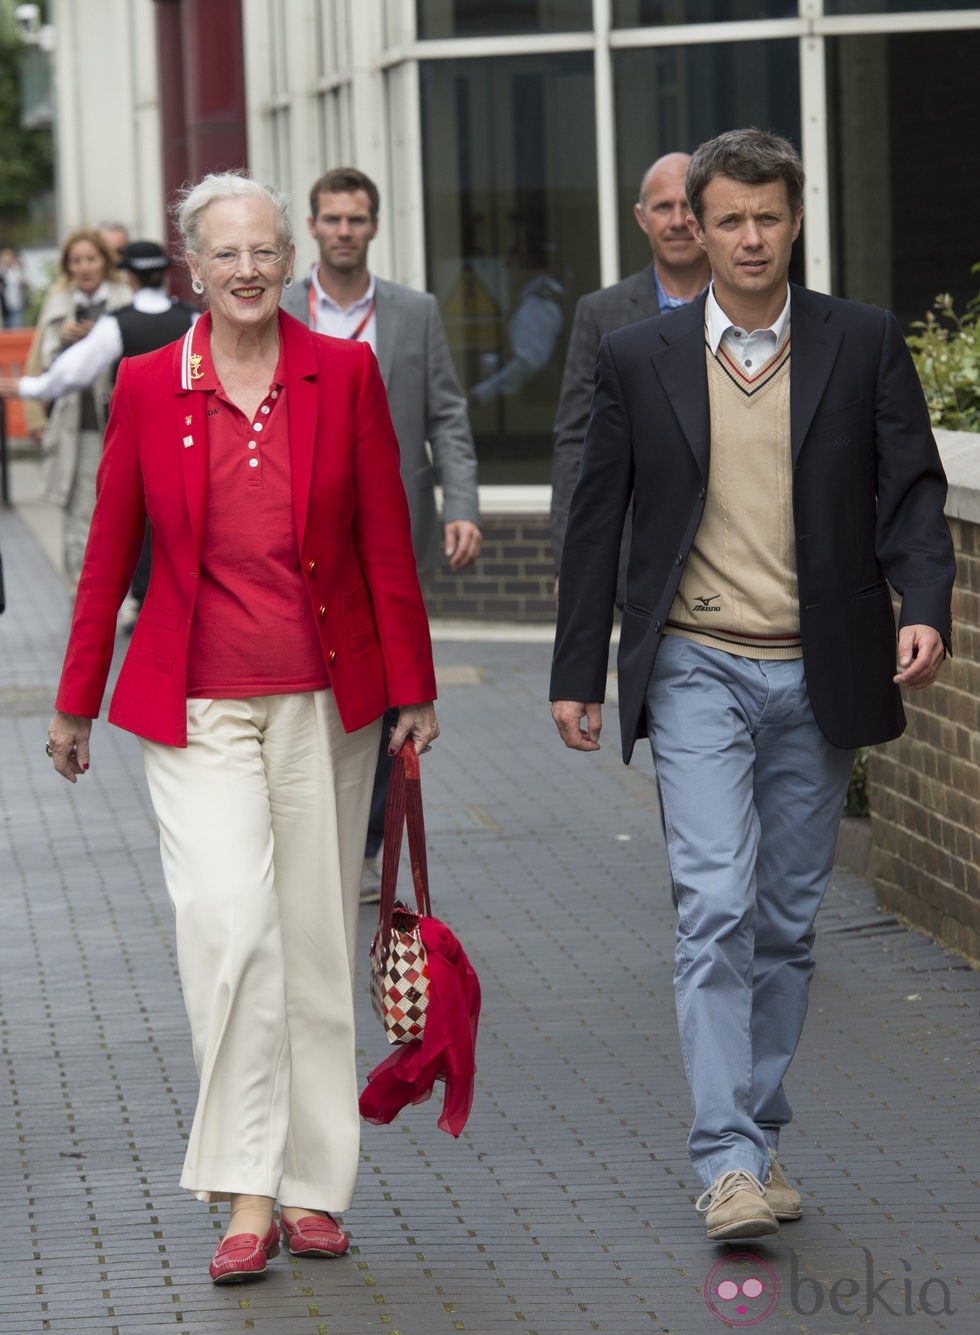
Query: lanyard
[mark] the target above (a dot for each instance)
(311, 302)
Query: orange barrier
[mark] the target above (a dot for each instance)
(14, 347)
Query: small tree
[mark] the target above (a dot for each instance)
(946, 352)
(26, 159)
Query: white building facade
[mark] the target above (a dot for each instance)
(508, 141)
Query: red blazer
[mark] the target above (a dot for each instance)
(352, 526)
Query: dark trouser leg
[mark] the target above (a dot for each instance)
(379, 797)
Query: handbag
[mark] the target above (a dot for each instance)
(399, 968)
(424, 989)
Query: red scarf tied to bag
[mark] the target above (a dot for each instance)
(446, 991)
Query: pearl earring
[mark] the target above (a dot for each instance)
(198, 286)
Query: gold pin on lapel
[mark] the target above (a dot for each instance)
(187, 420)
(196, 372)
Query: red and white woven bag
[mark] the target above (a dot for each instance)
(399, 973)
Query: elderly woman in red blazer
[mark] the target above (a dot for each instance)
(283, 616)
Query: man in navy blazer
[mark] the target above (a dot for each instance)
(777, 450)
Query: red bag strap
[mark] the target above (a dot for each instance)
(404, 805)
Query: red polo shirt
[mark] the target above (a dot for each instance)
(253, 631)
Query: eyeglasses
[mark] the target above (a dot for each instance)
(264, 257)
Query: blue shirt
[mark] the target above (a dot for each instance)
(665, 302)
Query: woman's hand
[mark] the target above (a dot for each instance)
(73, 330)
(418, 722)
(68, 736)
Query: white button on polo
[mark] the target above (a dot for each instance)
(274, 394)
(251, 444)
(253, 463)
(256, 426)
(266, 408)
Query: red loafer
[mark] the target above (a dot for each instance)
(314, 1236)
(243, 1256)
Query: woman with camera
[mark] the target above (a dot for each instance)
(87, 286)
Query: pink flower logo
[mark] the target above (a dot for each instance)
(741, 1289)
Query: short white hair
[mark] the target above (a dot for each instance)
(193, 200)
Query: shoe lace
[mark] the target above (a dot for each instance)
(725, 1186)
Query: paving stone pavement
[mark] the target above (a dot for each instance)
(566, 1207)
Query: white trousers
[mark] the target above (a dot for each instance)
(262, 825)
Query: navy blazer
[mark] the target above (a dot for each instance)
(868, 497)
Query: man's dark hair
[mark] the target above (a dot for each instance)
(344, 181)
(754, 157)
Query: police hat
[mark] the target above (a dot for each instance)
(143, 257)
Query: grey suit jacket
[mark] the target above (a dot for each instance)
(596, 314)
(427, 405)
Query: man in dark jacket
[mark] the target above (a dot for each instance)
(678, 271)
(775, 498)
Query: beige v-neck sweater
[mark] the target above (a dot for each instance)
(738, 591)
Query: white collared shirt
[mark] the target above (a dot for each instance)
(749, 348)
(342, 321)
(78, 366)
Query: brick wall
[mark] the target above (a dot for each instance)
(925, 787)
(514, 577)
(925, 799)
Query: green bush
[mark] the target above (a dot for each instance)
(946, 352)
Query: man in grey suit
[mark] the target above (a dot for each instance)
(341, 297)
(677, 273)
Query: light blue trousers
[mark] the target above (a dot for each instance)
(752, 795)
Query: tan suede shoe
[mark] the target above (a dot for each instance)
(784, 1200)
(735, 1206)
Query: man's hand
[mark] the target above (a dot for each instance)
(68, 736)
(462, 543)
(568, 715)
(920, 654)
